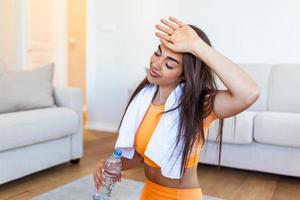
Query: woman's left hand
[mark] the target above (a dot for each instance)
(177, 35)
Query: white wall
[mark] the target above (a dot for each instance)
(121, 39)
(250, 31)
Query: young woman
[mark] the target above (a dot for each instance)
(181, 71)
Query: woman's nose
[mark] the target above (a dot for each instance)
(158, 63)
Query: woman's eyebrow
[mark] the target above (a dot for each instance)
(170, 58)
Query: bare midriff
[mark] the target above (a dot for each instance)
(189, 180)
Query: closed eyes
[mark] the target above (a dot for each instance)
(168, 66)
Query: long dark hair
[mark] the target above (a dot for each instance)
(196, 102)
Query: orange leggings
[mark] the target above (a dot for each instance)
(154, 191)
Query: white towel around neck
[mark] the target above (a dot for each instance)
(162, 142)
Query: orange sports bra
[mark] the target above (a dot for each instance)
(147, 127)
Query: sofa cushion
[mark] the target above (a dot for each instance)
(26, 89)
(284, 94)
(277, 128)
(242, 133)
(29, 127)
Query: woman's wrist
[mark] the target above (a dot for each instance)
(198, 47)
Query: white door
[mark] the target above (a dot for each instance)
(7, 34)
(40, 32)
(43, 33)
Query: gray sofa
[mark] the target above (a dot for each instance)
(34, 140)
(267, 135)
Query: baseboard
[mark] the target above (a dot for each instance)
(102, 126)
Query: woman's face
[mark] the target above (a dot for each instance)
(165, 67)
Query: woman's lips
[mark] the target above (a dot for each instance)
(153, 73)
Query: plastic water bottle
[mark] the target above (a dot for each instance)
(111, 171)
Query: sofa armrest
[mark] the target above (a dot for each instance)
(72, 98)
(69, 97)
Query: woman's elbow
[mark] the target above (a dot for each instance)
(252, 96)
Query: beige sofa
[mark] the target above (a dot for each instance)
(267, 135)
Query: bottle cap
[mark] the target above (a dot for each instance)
(117, 153)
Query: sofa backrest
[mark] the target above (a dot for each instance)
(284, 91)
(2, 66)
(279, 86)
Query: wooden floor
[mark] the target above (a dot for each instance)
(229, 184)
